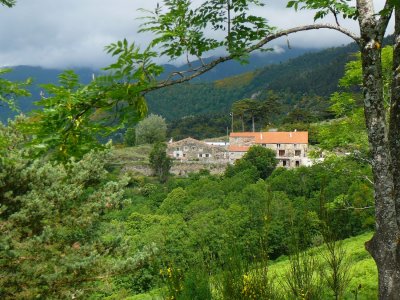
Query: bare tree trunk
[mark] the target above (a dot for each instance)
(394, 124)
(253, 125)
(394, 143)
(384, 246)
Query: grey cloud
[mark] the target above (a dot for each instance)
(65, 33)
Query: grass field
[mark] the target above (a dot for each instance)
(363, 272)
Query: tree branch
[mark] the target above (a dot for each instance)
(204, 68)
(355, 208)
(385, 17)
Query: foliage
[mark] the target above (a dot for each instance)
(8, 3)
(346, 102)
(347, 134)
(10, 90)
(302, 278)
(49, 248)
(337, 275)
(363, 272)
(130, 137)
(185, 223)
(199, 126)
(180, 29)
(243, 279)
(252, 110)
(307, 76)
(160, 162)
(151, 130)
(66, 126)
(324, 8)
(262, 159)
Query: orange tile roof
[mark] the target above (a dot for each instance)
(233, 148)
(279, 137)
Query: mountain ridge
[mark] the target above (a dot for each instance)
(215, 91)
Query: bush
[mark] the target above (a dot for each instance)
(130, 137)
(263, 159)
(151, 130)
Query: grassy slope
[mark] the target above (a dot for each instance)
(131, 155)
(363, 270)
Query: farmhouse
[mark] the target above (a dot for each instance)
(191, 155)
(190, 149)
(291, 147)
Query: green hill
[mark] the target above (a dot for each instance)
(312, 74)
(218, 89)
(363, 272)
(44, 76)
(362, 269)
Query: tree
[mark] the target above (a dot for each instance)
(262, 159)
(8, 3)
(10, 90)
(151, 130)
(159, 161)
(130, 137)
(239, 109)
(179, 29)
(383, 137)
(270, 108)
(51, 246)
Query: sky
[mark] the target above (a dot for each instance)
(73, 33)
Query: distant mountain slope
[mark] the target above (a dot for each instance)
(231, 68)
(311, 74)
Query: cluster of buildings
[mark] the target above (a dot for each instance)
(291, 148)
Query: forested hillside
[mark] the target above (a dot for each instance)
(41, 76)
(312, 74)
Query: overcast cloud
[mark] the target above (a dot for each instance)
(73, 33)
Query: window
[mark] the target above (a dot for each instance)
(178, 149)
(177, 154)
(184, 154)
(284, 163)
(297, 163)
(264, 145)
(281, 152)
(278, 145)
(194, 148)
(186, 148)
(207, 155)
(297, 152)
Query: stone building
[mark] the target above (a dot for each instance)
(191, 155)
(291, 147)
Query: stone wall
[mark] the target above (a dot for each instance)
(185, 168)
